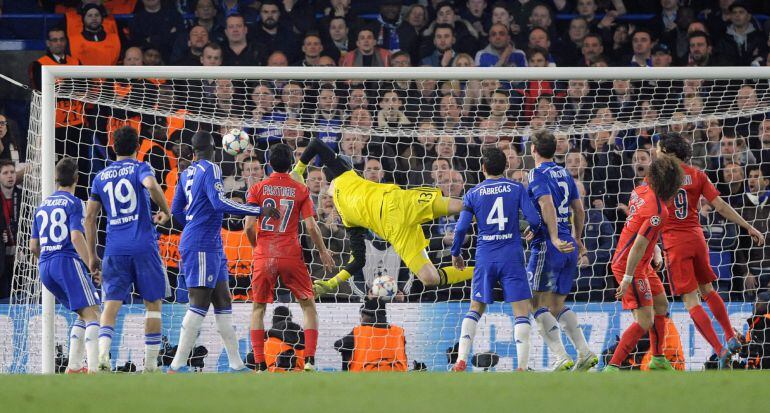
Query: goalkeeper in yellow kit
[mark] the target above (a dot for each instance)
(393, 213)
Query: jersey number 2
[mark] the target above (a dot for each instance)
(497, 215)
(287, 205)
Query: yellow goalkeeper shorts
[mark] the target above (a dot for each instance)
(403, 212)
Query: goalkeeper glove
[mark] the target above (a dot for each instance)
(325, 286)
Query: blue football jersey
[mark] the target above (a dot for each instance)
(200, 203)
(55, 219)
(126, 202)
(496, 204)
(552, 179)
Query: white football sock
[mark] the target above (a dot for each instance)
(569, 323)
(151, 351)
(521, 332)
(224, 318)
(549, 330)
(77, 346)
(191, 326)
(92, 346)
(105, 341)
(467, 333)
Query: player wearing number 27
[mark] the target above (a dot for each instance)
(131, 255)
(57, 239)
(277, 251)
(553, 260)
(496, 203)
(686, 252)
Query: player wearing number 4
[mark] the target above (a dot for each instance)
(395, 214)
(553, 260)
(496, 203)
(200, 202)
(277, 251)
(57, 239)
(131, 254)
(686, 252)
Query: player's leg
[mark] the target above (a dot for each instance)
(521, 331)
(107, 330)
(538, 272)
(195, 266)
(263, 280)
(468, 332)
(116, 286)
(719, 310)
(335, 166)
(76, 347)
(75, 289)
(91, 317)
(223, 314)
(152, 336)
(310, 317)
(152, 284)
(683, 281)
(516, 291)
(638, 299)
(257, 334)
(568, 321)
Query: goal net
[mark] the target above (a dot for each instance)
(413, 127)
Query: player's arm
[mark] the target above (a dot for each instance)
(179, 203)
(92, 213)
(315, 234)
(80, 242)
(635, 255)
(530, 212)
(251, 233)
(216, 195)
(34, 239)
(724, 209)
(461, 229)
(157, 196)
(578, 222)
(549, 218)
(356, 263)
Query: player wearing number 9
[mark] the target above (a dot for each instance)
(57, 239)
(131, 256)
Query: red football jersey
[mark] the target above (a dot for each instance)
(646, 217)
(278, 238)
(684, 223)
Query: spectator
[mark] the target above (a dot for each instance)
(414, 22)
(743, 44)
(367, 53)
(292, 133)
(477, 15)
(277, 58)
(332, 230)
(352, 146)
(198, 38)
(539, 18)
(718, 20)
(642, 45)
(391, 113)
(665, 23)
(621, 43)
(388, 21)
(311, 50)
(442, 230)
(338, 44)
(501, 13)
(446, 147)
(754, 262)
(700, 50)
(598, 239)
(577, 107)
(94, 45)
(299, 15)
(341, 8)
(292, 100)
(239, 51)
(328, 117)
(677, 39)
(762, 152)
(569, 51)
(10, 148)
(465, 37)
(151, 56)
(56, 54)
(157, 25)
(539, 37)
(361, 353)
(244, 8)
(732, 184)
(591, 49)
(284, 343)
(10, 195)
(316, 184)
(500, 51)
(661, 55)
(272, 36)
(206, 16)
(443, 53)
(722, 239)
(360, 118)
(249, 171)
(133, 56)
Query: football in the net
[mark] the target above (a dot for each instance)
(235, 141)
(384, 287)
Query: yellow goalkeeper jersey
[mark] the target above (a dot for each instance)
(359, 202)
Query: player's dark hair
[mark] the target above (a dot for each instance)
(203, 145)
(665, 176)
(66, 172)
(544, 143)
(674, 144)
(126, 141)
(280, 157)
(494, 160)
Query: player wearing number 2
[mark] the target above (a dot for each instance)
(553, 261)
(131, 255)
(686, 252)
(496, 203)
(57, 239)
(277, 251)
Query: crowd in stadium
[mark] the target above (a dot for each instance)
(608, 164)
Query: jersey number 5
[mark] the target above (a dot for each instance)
(497, 215)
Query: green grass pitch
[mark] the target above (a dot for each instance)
(371, 392)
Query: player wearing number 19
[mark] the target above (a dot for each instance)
(686, 252)
(57, 239)
(496, 203)
(131, 255)
(553, 262)
(200, 203)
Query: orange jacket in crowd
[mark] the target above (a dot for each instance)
(106, 52)
(274, 347)
(378, 349)
(672, 349)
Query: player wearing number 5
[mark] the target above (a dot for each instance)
(496, 203)
(131, 255)
(553, 260)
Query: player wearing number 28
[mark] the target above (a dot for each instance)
(496, 203)
(553, 262)
(686, 253)
(131, 256)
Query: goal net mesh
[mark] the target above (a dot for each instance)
(412, 133)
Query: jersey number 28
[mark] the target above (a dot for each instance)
(58, 230)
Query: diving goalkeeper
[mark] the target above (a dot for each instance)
(395, 214)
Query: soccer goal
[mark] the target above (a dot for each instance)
(412, 127)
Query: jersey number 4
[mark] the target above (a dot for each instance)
(497, 215)
(287, 205)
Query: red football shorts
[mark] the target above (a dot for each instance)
(688, 266)
(645, 286)
(293, 273)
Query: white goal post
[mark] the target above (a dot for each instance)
(53, 74)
